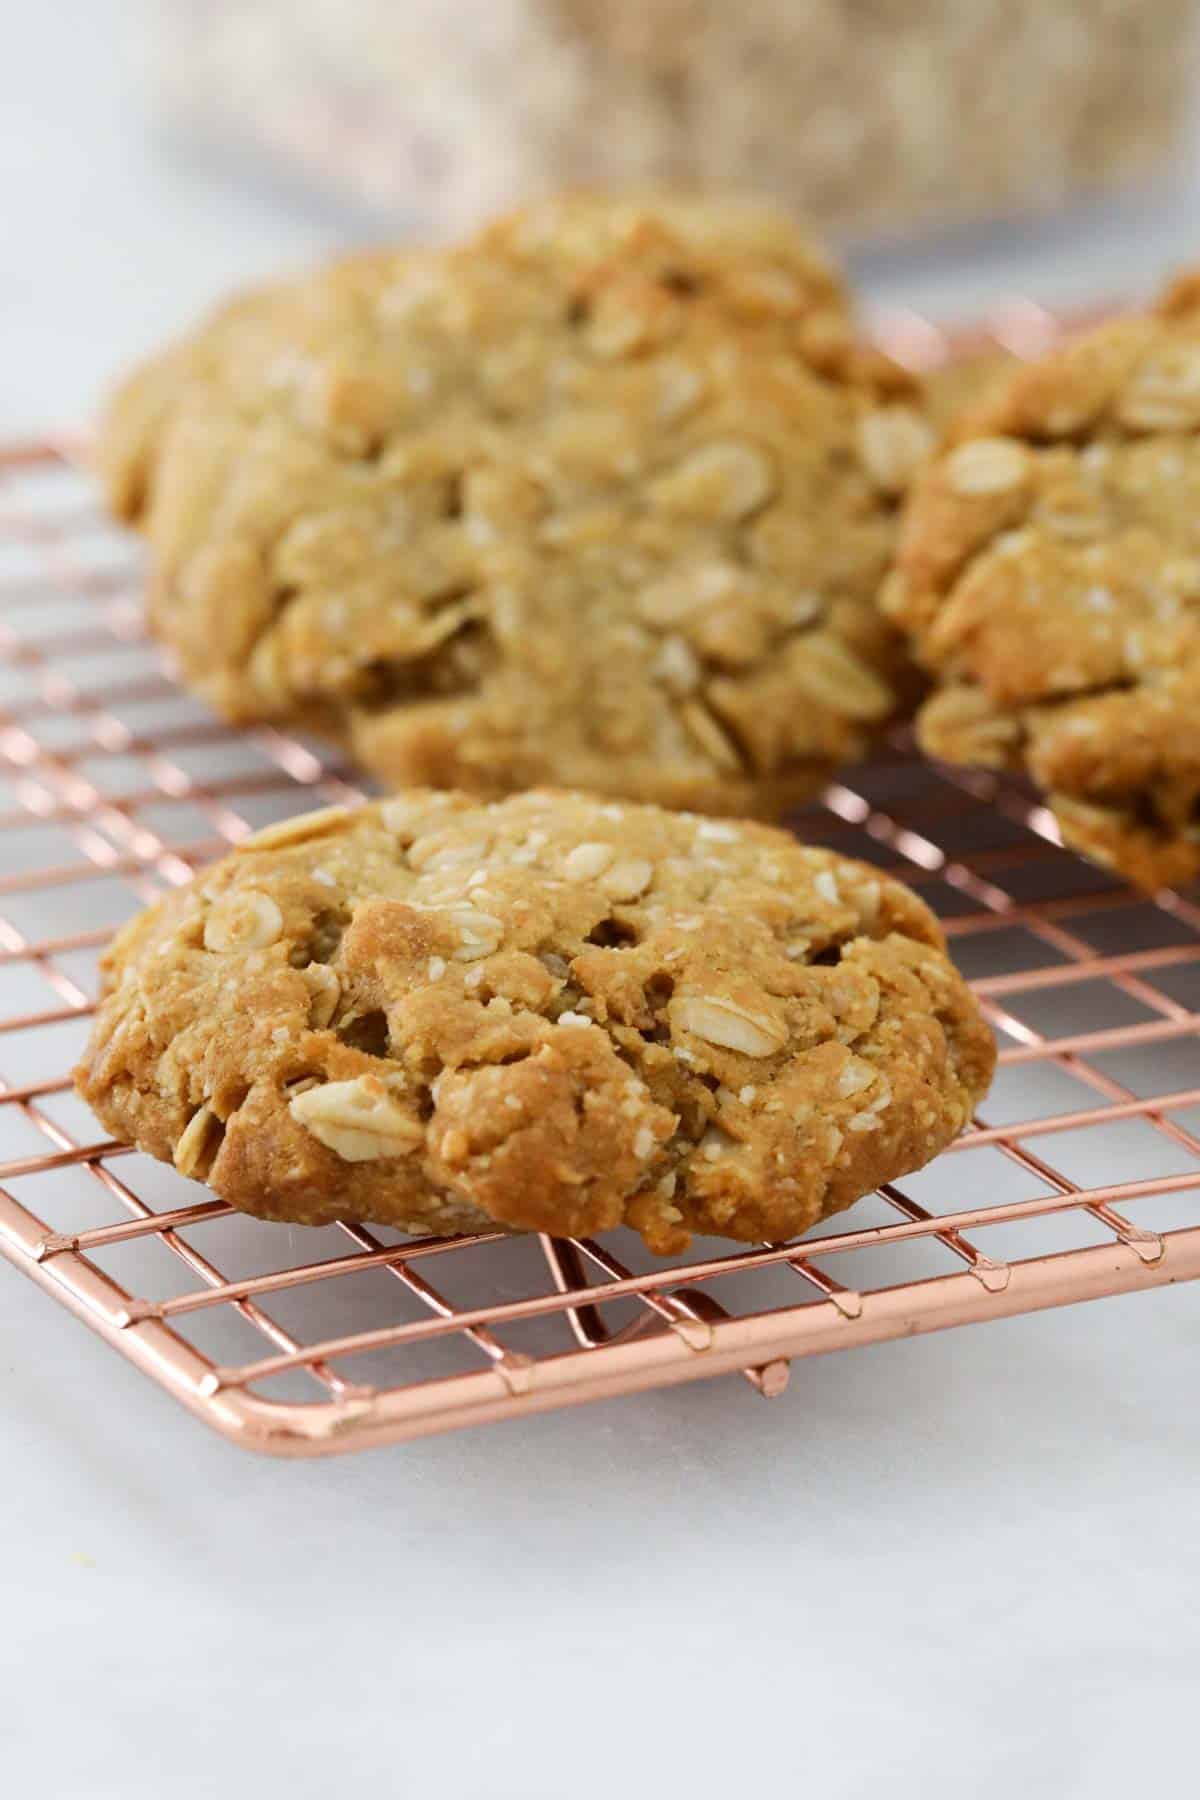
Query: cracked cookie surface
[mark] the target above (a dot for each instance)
(547, 1013)
(1049, 571)
(602, 497)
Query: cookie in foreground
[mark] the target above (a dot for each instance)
(602, 498)
(545, 1013)
(1049, 571)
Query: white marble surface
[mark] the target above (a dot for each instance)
(962, 1565)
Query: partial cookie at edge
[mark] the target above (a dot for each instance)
(1049, 573)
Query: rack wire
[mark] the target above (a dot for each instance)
(1080, 1178)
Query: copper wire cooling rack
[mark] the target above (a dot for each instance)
(1081, 1178)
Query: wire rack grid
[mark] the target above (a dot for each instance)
(1081, 1178)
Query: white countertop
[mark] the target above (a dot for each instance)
(966, 1564)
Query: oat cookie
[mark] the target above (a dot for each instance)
(548, 1013)
(1049, 571)
(602, 497)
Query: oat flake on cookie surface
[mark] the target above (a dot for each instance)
(545, 1013)
(602, 497)
(1049, 572)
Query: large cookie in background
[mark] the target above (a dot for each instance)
(602, 497)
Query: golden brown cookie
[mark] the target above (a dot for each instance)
(548, 1013)
(1049, 571)
(602, 497)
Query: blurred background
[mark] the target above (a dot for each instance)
(961, 152)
